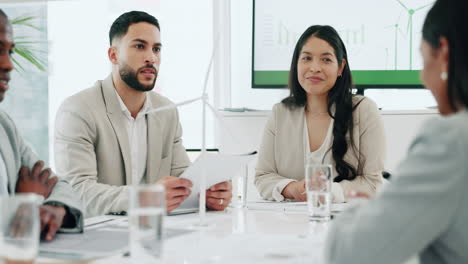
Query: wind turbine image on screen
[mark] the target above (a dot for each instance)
(409, 28)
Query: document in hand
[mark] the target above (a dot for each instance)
(217, 168)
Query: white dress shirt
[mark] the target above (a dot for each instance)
(323, 155)
(3, 178)
(137, 138)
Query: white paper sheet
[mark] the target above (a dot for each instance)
(217, 168)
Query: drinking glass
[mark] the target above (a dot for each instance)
(239, 189)
(318, 188)
(146, 214)
(20, 228)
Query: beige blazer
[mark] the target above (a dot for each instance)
(281, 154)
(92, 150)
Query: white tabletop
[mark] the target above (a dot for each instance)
(277, 233)
(239, 236)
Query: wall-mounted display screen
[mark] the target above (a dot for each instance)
(382, 38)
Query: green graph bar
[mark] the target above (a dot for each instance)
(387, 78)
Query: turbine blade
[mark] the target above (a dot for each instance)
(409, 24)
(229, 132)
(208, 71)
(172, 106)
(401, 32)
(422, 7)
(399, 16)
(403, 5)
(223, 124)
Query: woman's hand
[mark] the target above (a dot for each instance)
(295, 190)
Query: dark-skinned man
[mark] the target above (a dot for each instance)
(20, 169)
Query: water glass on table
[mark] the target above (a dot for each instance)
(20, 228)
(239, 189)
(146, 214)
(318, 187)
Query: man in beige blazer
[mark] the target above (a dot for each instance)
(104, 138)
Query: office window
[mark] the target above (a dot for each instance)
(27, 99)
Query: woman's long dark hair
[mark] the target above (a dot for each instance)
(339, 96)
(448, 19)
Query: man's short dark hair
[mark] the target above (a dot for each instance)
(3, 14)
(120, 26)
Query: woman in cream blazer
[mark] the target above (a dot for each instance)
(323, 120)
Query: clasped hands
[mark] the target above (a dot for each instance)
(38, 181)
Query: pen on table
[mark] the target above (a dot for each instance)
(97, 223)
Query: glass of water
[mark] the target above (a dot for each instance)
(318, 188)
(20, 223)
(239, 189)
(146, 213)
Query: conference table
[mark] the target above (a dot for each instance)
(260, 233)
(235, 235)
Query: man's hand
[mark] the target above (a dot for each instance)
(36, 181)
(295, 190)
(219, 196)
(51, 220)
(177, 190)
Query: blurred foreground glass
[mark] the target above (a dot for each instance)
(318, 188)
(20, 223)
(239, 189)
(146, 213)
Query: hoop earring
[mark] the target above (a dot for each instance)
(443, 76)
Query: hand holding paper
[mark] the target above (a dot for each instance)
(177, 190)
(218, 168)
(219, 196)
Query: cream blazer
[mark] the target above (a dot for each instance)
(281, 154)
(92, 150)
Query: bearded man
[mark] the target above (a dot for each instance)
(105, 139)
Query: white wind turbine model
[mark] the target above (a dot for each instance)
(205, 103)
